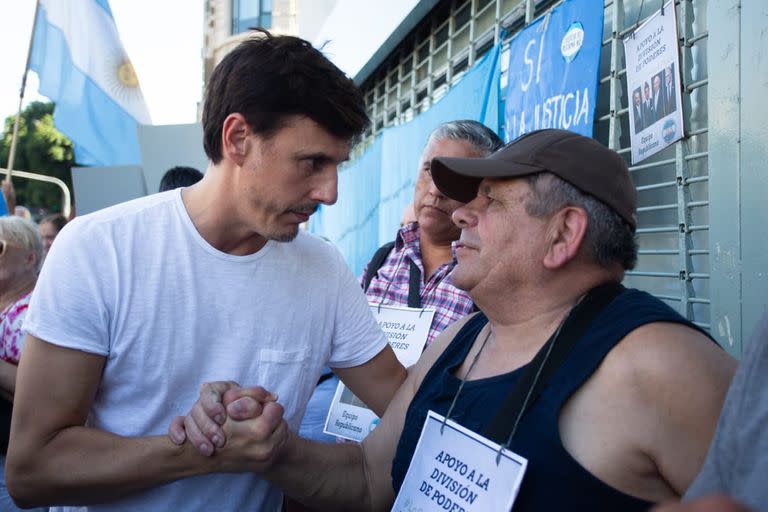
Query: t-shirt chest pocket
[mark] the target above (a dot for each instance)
(285, 372)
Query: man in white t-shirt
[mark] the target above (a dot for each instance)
(140, 303)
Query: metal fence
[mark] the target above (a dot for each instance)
(673, 185)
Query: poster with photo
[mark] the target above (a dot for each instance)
(653, 83)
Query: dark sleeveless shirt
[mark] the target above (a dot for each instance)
(554, 480)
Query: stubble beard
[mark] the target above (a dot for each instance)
(285, 237)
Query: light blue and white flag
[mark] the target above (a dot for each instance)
(82, 66)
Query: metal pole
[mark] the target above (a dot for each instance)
(529, 11)
(66, 195)
(14, 137)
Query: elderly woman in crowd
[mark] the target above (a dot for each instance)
(21, 252)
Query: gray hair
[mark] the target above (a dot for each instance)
(609, 237)
(24, 233)
(480, 136)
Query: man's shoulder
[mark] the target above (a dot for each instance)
(306, 241)
(655, 337)
(127, 212)
(659, 354)
(311, 250)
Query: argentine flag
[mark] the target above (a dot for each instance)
(82, 66)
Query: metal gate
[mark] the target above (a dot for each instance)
(673, 185)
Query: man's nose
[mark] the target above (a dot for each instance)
(433, 190)
(464, 216)
(326, 191)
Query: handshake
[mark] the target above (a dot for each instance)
(242, 426)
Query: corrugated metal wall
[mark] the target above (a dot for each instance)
(673, 185)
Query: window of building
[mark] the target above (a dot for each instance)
(247, 14)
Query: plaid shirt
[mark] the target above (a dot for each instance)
(437, 293)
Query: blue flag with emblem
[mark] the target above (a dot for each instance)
(553, 71)
(82, 66)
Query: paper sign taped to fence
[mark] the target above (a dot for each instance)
(456, 469)
(653, 84)
(406, 330)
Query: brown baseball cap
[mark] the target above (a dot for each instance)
(581, 161)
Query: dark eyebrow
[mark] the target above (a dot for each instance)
(322, 157)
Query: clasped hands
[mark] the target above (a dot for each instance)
(242, 426)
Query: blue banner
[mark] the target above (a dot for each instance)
(3, 207)
(553, 71)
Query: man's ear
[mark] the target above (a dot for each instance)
(234, 138)
(565, 234)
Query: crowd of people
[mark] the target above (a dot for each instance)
(23, 246)
(148, 316)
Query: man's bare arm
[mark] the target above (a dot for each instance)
(338, 476)
(682, 378)
(54, 458)
(355, 477)
(375, 382)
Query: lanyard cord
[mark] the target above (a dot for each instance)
(528, 395)
(505, 446)
(464, 380)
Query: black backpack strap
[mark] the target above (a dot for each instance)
(414, 286)
(376, 262)
(547, 360)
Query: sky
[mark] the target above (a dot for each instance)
(163, 38)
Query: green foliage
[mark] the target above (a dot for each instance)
(41, 148)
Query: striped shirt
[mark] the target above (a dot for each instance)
(390, 284)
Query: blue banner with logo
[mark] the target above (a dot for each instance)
(553, 71)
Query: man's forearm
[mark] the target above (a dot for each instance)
(322, 475)
(81, 465)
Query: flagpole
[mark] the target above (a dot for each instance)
(14, 137)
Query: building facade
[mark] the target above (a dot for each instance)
(701, 210)
(700, 227)
(227, 23)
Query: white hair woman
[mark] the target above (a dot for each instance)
(21, 253)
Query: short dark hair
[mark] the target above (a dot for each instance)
(179, 176)
(56, 219)
(609, 238)
(268, 78)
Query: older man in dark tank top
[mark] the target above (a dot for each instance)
(622, 419)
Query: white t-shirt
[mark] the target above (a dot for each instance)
(137, 284)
